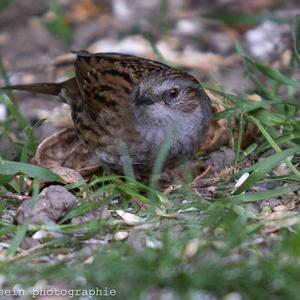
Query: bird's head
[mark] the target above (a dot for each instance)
(169, 94)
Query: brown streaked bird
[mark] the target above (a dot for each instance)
(122, 102)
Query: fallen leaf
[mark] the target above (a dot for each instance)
(129, 218)
(65, 155)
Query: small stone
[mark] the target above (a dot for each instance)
(121, 235)
(56, 202)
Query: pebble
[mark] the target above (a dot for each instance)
(121, 235)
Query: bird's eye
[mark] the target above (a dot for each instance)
(173, 93)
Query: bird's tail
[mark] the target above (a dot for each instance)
(47, 88)
(42, 88)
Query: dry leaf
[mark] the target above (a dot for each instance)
(84, 10)
(191, 248)
(65, 155)
(279, 219)
(129, 218)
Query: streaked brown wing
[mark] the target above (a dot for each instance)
(107, 80)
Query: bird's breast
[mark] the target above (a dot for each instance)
(184, 135)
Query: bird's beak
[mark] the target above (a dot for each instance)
(146, 99)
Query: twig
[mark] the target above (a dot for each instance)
(11, 195)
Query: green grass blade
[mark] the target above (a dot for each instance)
(82, 209)
(103, 179)
(126, 162)
(21, 232)
(58, 26)
(32, 141)
(241, 105)
(261, 195)
(272, 142)
(158, 164)
(272, 73)
(9, 169)
(296, 35)
(239, 141)
(158, 55)
(131, 192)
(165, 21)
(270, 118)
(282, 139)
(263, 167)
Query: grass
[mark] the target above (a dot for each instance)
(190, 243)
(57, 26)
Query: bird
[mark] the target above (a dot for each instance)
(126, 107)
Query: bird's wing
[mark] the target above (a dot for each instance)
(107, 80)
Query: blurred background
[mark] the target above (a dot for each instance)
(36, 38)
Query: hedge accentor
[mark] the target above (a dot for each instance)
(123, 104)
